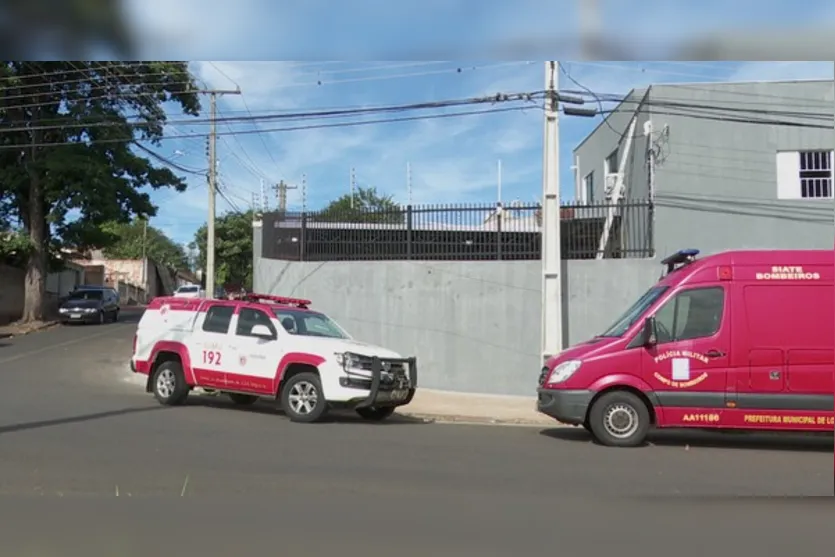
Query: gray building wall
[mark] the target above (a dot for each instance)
(474, 326)
(716, 181)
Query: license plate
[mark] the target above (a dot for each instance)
(75, 316)
(399, 395)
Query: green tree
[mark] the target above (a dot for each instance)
(66, 135)
(233, 249)
(72, 26)
(366, 205)
(138, 239)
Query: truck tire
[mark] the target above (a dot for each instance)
(376, 414)
(169, 384)
(241, 399)
(302, 399)
(619, 419)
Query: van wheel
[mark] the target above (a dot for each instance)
(242, 400)
(169, 384)
(302, 399)
(619, 419)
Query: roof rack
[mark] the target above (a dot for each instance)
(281, 300)
(679, 259)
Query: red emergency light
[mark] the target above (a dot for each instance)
(298, 302)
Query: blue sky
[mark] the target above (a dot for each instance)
(452, 160)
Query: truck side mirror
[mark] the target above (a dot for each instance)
(650, 332)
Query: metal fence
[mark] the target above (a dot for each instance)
(456, 232)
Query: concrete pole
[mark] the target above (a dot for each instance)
(210, 221)
(212, 177)
(551, 241)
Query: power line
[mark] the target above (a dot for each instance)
(187, 84)
(287, 129)
(310, 114)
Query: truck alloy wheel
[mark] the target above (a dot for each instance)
(169, 385)
(619, 419)
(302, 399)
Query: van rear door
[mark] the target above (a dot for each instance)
(688, 367)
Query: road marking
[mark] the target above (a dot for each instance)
(59, 345)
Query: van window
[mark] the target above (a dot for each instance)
(691, 314)
(217, 319)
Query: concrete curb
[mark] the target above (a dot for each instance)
(43, 327)
(426, 417)
(483, 420)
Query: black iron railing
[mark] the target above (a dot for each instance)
(457, 232)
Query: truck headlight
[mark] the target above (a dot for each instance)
(347, 360)
(563, 371)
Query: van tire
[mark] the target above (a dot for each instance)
(619, 419)
(169, 384)
(305, 382)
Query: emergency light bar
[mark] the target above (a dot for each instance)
(298, 302)
(679, 259)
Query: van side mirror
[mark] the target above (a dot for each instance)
(650, 332)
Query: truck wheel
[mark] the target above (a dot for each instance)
(242, 400)
(619, 419)
(169, 384)
(302, 399)
(376, 414)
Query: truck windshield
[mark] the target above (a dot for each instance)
(635, 312)
(309, 323)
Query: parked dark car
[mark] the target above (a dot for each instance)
(90, 305)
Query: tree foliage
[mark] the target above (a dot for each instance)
(71, 27)
(233, 249)
(137, 239)
(66, 132)
(366, 205)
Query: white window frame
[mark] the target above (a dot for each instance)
(588, 187)
(795, 183)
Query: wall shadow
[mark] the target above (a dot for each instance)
(739, 440)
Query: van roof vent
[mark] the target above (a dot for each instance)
(679, 259)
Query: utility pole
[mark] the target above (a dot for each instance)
(281, 190)
(304, 193)
(409, 181)
(264, 202)
(210, 222)
(551, 225)
(144, 253)
(353, 186)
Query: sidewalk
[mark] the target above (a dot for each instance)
(448, 406)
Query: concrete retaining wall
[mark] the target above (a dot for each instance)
(474, 326)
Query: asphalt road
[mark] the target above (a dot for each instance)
(91, 465)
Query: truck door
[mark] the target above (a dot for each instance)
(688, 366)
(209, 346)
(254, 357)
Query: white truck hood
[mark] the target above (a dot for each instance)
(327, 347)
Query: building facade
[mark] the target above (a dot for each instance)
(726, 165)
